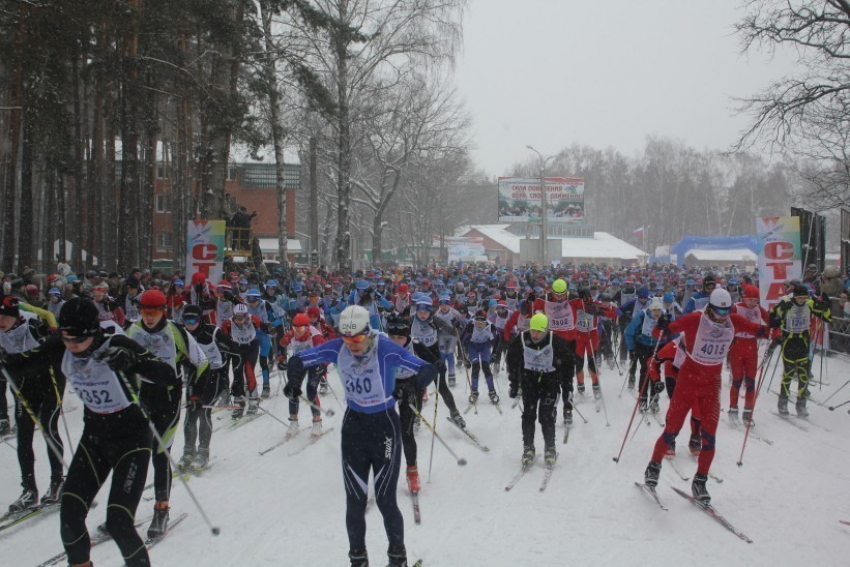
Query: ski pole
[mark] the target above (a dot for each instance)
(333, 393)
(835, 392)
(833, 408)
(50, 443)
(62, 412)
(460, 460)
(215, 530)
(328, 412)
(765, 360)
(637, 401)
(575, 407)
(436, 403)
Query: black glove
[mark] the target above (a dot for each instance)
(117, 358)
(291, 390)
(514, 391)
(664, 322)
(658, 387)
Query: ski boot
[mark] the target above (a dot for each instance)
(650, 476)
(323, 387)
(202, 459)
(653, 404)
(550, 456)
(671, 450)
(417, 424)
(698, 489)
(473, 397)
(186, 460)
(358, 558)
(293, 426)
(782, 405)
(267, 391)
(397, 557)
(452, 380)
(568, 417)
(581, 388)
(801, 408)
(748, 417)
(237, 413)
(457, 419)
(644, 406)
(54, 493)
(695, 444)
(27, 499)
(253, 405)
(413, 479)
(317, 426)
(494, 397)
(527, 456)
(159, 524)
(733, 416)
(4, 427)
(597, 392)
(281, 364)
(631, 381)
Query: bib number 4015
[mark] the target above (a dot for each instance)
(710, 349)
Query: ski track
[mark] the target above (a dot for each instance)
(281, 510)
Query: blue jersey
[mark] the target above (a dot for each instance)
(369, 380)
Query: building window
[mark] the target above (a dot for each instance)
(162, 204)
(163, 172)
(164, 241)
(232, 173)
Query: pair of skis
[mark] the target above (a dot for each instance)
(11, 520)
(705, 507)
(547, 475)
(471, 437)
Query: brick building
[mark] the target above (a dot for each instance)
(254, 186)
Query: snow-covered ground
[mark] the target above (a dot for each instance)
(287, 510)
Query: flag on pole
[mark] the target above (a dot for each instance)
(638, 232)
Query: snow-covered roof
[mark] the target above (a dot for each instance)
(602, 245)
(729, 255)
(270, 245)
(499, 233)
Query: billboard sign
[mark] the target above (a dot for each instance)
(780, 256)
(463, 249)
(519, 199)
(205, 250)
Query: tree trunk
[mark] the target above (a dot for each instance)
(26, 232)
(127, 238)
(343, 235)
(277, 132)
(78, 231)
(13, 137)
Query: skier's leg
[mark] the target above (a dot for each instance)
(530, 397)
(313, 378)
(407, 417)
(386, 463)
(26, 431)
(49, 416)
(737, 363)
(164, 419)
(680, 405)
(709, 406)
(547, 413)
(128, 483)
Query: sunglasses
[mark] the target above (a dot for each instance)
(354, 339)
(722, 311)
(301, 328)
(239, 318)
(191, 320)
(75, 340)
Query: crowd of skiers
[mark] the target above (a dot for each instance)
(198, 344)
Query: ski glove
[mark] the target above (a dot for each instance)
(118, 359)
(664, 322)
(291, 390)
(514, 391)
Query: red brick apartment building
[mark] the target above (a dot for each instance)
(254, 187)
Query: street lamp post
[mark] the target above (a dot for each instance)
(544, 209)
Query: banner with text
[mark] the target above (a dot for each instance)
(519, 199)
(462, 248)
(780, 256)
(205, 250)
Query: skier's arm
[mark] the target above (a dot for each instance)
(299, 363)
(631, 332)
(514, 360)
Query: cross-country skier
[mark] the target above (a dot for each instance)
(367, 363)
(744, 353)
(641, 343)
(304, 335)
(116, 439)
(536, 360)
(707, 335)
(242, 330)
(478, 340)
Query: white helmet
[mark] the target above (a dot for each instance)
(655, 303)
(354, 320)
(720, 298)
(240, 309)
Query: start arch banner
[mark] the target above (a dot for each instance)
(780, 256)
(205, 249)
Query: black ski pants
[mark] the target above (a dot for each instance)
(122, 448)
(164, 413)
(370, 442)
(410, 395)
(43, 403)
(539, 402)
(198, 424)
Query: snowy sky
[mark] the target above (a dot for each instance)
(551, 73)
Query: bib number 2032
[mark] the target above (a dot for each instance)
(356, 385)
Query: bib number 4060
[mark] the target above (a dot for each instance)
(357, 386)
